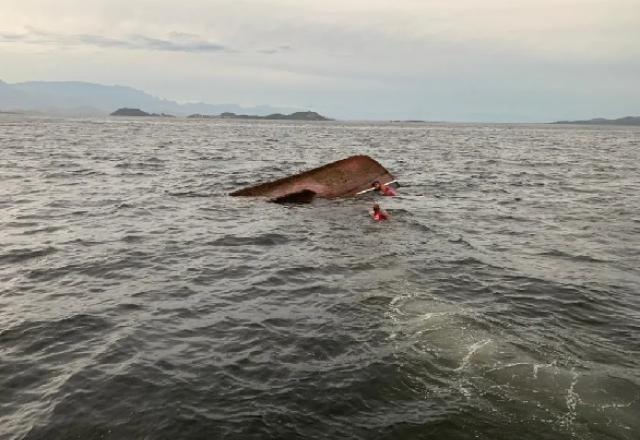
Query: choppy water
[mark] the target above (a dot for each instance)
(138, 301)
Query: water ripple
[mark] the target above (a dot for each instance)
(139, 300)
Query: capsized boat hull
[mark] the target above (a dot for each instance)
(343, 178)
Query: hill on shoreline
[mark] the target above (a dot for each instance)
(137, 112)
(627, 120)
(296, 116)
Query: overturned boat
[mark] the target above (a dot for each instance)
(343, 178)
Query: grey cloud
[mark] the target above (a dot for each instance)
(278, 49)
(180, 42)
(185, 45)
(11, 38)
(97, 40)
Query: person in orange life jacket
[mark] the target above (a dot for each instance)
(378, 214)
(383, 189)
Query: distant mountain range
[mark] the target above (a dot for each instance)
(627, 120)
(83, 98)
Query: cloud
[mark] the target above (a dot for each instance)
(278, 49)
(8, 37)
(350, 56)
(179, 42)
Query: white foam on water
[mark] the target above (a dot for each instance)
(537, 366)
(490, 365)
(572, 399)
(473, 349)
(615, 405)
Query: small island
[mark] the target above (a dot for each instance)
(125, 111)
(627, 120)
(297, 116)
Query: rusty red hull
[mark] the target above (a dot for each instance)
(344, 178)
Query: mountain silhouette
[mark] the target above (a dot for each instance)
(84, 98)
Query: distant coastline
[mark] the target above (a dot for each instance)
(296, 116)
(627, 120)
(125, 111)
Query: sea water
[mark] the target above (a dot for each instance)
(138, 300)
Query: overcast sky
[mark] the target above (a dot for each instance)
(457, 60)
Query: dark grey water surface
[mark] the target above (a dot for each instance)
(138, 301)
